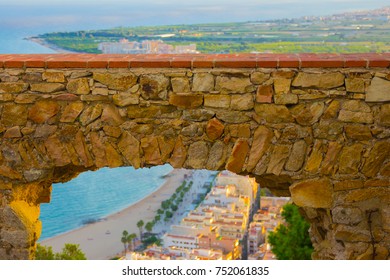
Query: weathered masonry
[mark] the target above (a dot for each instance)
(316, 127)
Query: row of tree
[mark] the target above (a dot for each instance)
(69, 252)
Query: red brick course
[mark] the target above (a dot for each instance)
(366, 60)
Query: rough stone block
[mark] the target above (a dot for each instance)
(227, 84)
(273, 113)
(297, 157)
(384, 115)
(186, 100)
(43, 110)
(180, 84)
(129, 147)
(242, 102)
(179, 154)
(259, 77)
(378, 154)
(217, 156)
(282, 85)
(13, 132)
(332, 154)
(91, 114)
(315, 193)
(116, 81)
(53, 76)
(330, 130)
(348, 185)
(111, 116)
(278, 158)
(355, 117)
(315, 159)
(48, 87)
(319, 80)
(124, 99)
(15, 87)
(378, 91)
(264, 94)
(154, 86)
(217, 100)
(236, 160)
(239, 130)
(358, 132)
(285, 99)
(151, 150)
(14, 114)
(197, 155)
(78, 86)
(355, 85)
(308, 113)
(350, 159)
(261, 142)
(232, 116)
(347, 215)
(71, 112)
(214, 129)
(203, 82)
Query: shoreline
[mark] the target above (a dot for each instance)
(48, 45)
(101, 240)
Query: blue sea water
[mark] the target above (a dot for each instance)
(94, 195)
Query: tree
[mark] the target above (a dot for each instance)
(174, 207)
(157, 218)
(130, 240)
(291, 242)
(151, 240)
(124, 239)
(44, 253)
(149, 226)
(69, 252)
(140, 224)
(168, 214)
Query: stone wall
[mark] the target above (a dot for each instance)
(311, 126)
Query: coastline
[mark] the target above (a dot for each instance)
(101, 240)
(48, 45)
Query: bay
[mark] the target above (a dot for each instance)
(93, 195)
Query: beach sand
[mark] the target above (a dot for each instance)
(102, 240)
(46, 44)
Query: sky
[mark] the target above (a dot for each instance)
(62, 15)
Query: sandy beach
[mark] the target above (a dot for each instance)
(46, 44)
(101, 240)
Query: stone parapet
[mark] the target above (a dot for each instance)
(315, 127)
(366, 60)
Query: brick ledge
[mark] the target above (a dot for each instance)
(308, 60)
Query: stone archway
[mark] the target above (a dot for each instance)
(319, 134)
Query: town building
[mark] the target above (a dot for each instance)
(125, 46)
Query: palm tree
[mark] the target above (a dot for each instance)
(130, 240)
(140, 224)
(149, 226)
(124, 239)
